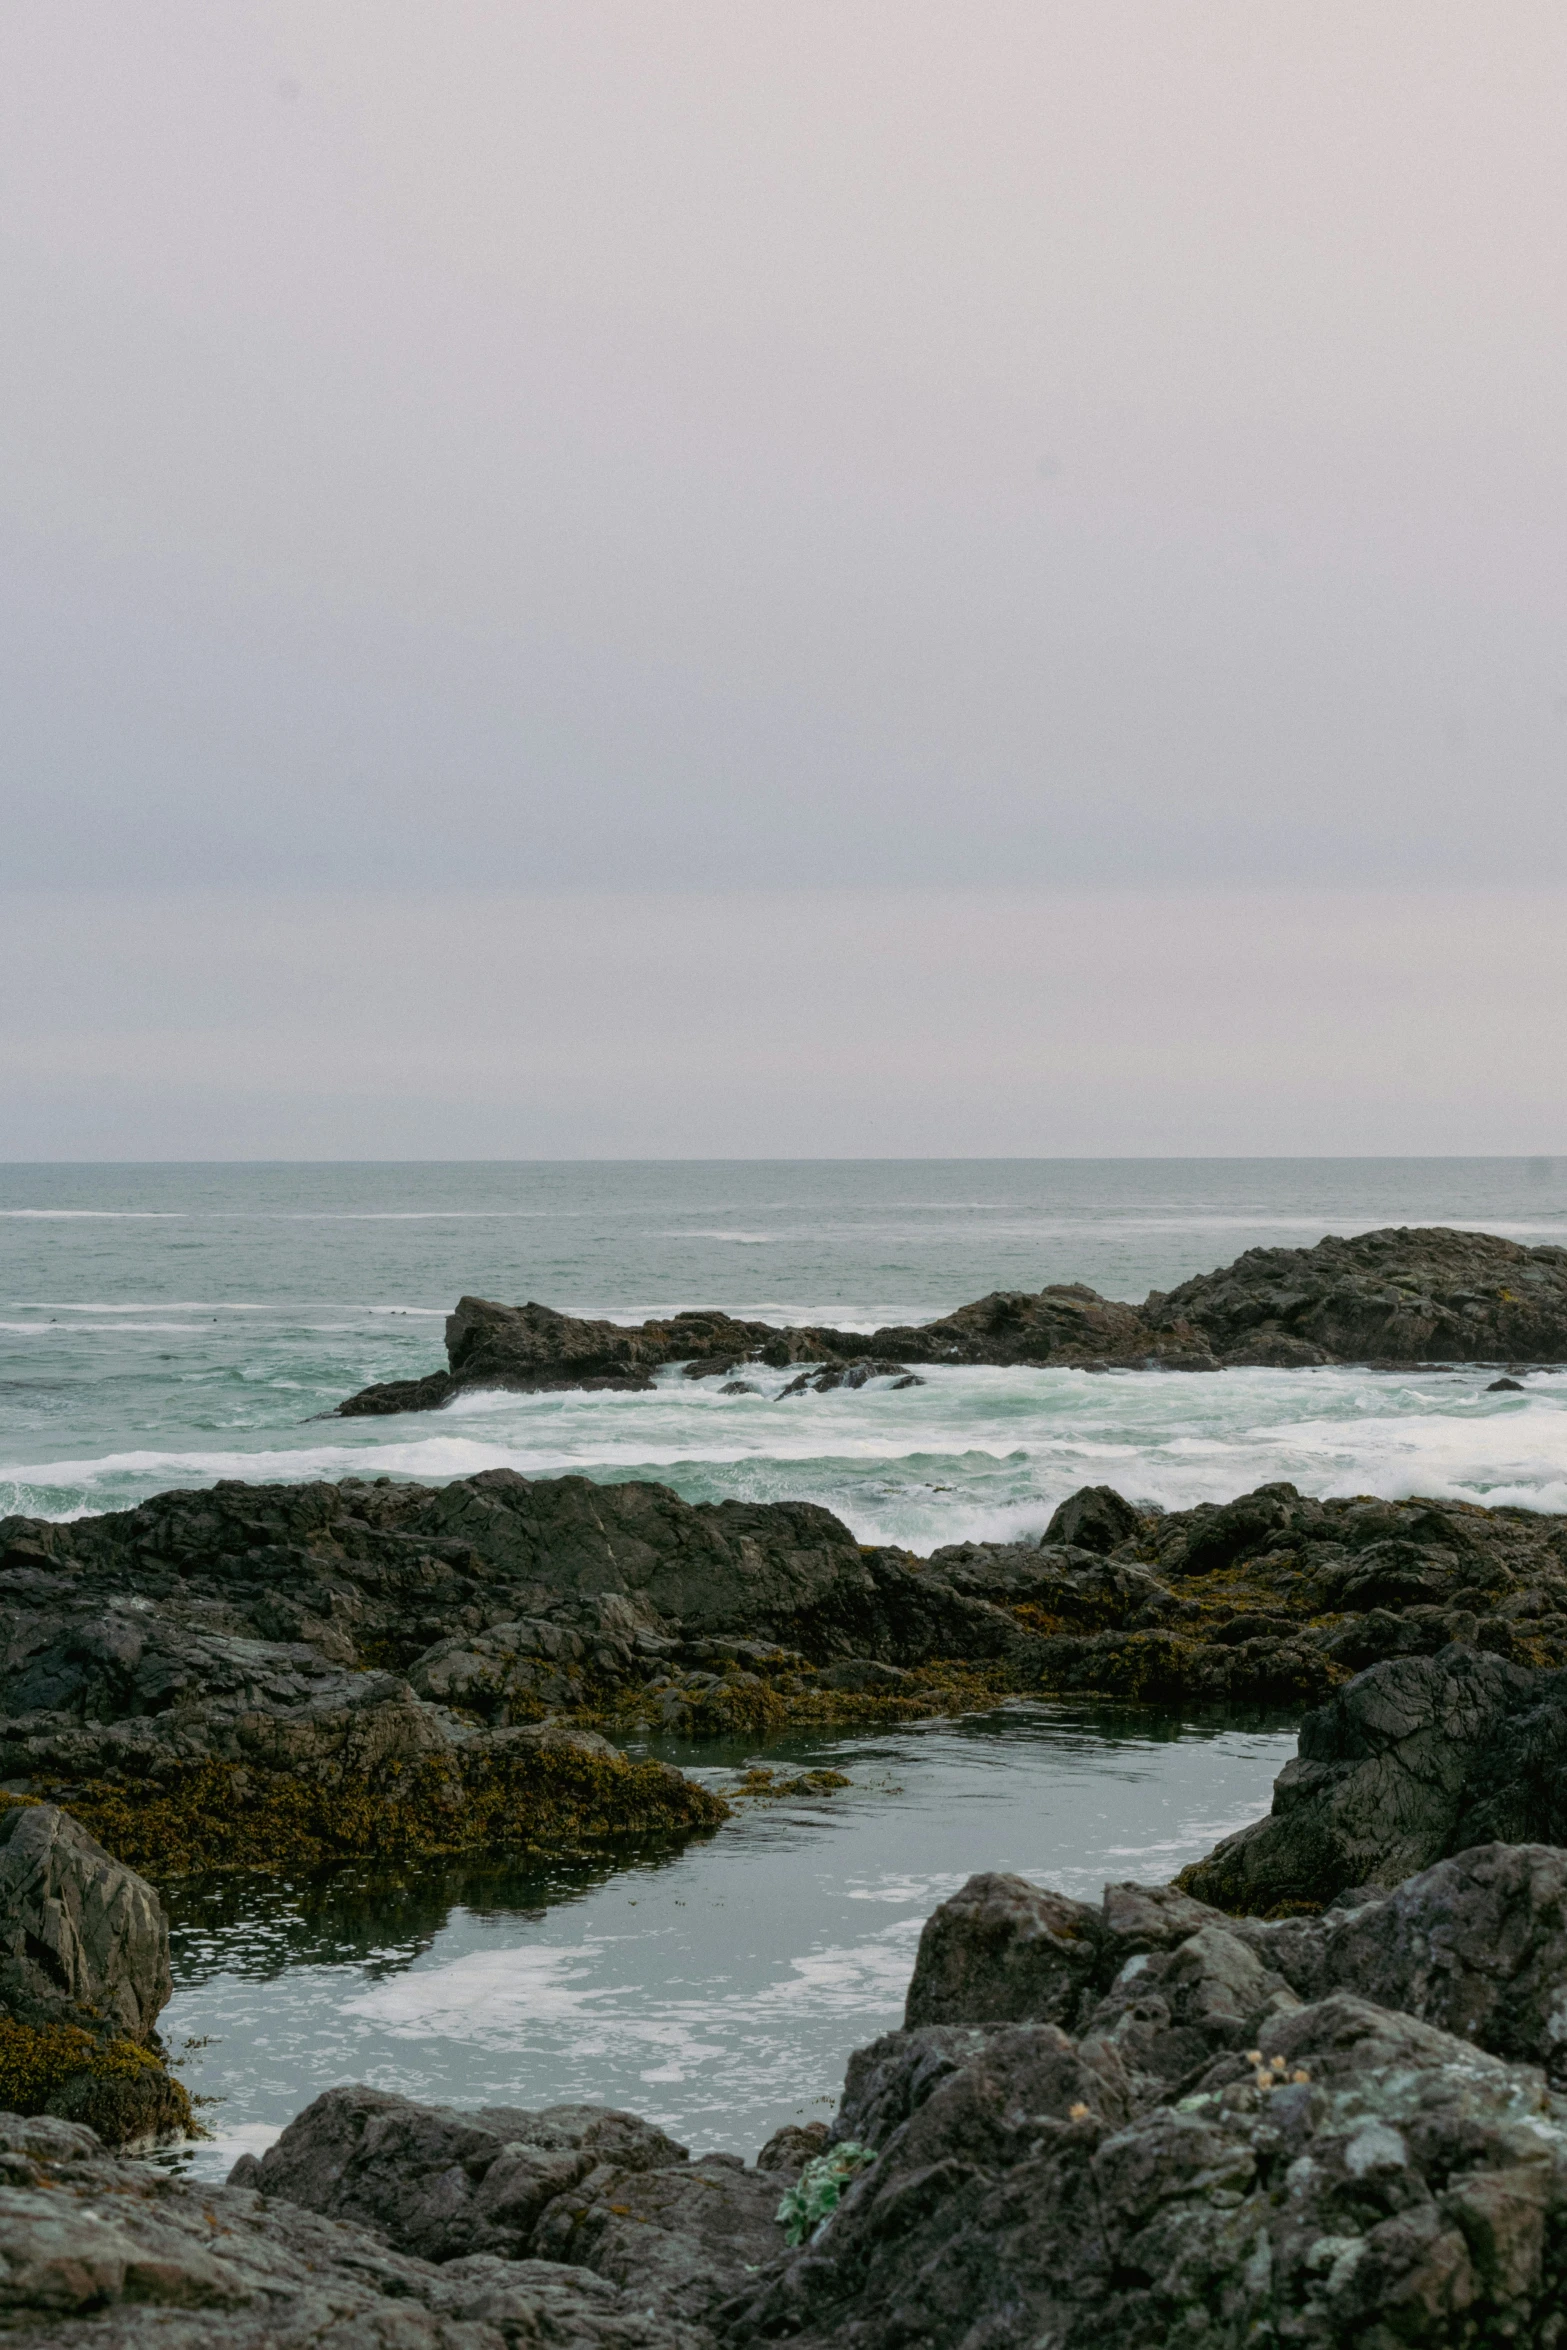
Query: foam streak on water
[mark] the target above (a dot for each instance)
(718, 1990)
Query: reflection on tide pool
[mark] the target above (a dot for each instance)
(717, 1987)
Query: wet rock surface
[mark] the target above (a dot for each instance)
(1398, 1297)
(1415, 1759)
(303, 1672)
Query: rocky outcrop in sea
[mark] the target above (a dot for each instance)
(1393, 1298)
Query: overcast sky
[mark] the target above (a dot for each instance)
(806, 491)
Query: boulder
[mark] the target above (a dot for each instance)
(114, 2255)
(1095, 1518)
(1004, 1950)
(1415, 1759)
(582, 2186)
(82, 1939)
(442, 2184)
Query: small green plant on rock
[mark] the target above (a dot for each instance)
(809, 2204)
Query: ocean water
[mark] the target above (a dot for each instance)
(718, 1989)
(166, 1325)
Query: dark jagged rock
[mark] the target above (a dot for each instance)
(1095, 1517)
(81, 1938)
(1359, 2179)
(1400, 1296)
(583, 2185)
(302, 1672)
(84, 1974)
(858, 1373)
(1242, 2133)
(115, 2255)
(443, 2184)
(1003, 1949)
(1416, 1759)
(397, 1668)
(1396, 1296)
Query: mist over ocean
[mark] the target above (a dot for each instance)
(167, 1325)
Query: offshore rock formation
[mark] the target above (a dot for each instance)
(1395, 1298)
(267, 1674)
(84, 1973)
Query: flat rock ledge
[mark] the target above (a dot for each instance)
(1394, 1298)
(265, 1675)
(1138, 2121)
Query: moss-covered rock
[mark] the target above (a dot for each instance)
(523, 1798)
(114, 2085)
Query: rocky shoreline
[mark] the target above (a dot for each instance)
(1314, 2093)
(271, 1675)
(1398, 1298)
(1142, 2121)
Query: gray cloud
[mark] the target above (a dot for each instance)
(782, 1024)
(683, 447)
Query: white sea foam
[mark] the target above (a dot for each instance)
(146, 1305)
(971, 1455)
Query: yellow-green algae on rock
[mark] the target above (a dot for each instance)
(114, 2085)
(217, 1815)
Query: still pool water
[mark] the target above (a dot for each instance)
(717, 1988)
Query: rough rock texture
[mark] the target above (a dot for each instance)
(82, 1940)
(1477, 1945)
(1397, 1296)
(84, 1973)
(114, 2255)
(1003, 1949)
(1396, 2186)
(579, 2184)
(1417, 1758)
(1242, 2133)
(397, 1668)
(440, 2183)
